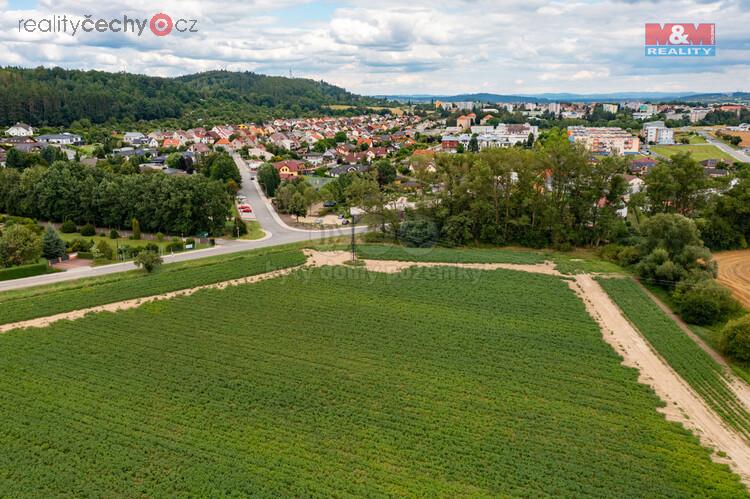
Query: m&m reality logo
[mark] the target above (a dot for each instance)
(686, 39)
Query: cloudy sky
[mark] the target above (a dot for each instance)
(400, 47)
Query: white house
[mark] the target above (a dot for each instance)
(133, 137)
(20, 130)
(63, 139)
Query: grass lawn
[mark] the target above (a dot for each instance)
(347, 384)
(254, 230)
(699, 152)
(694, 139)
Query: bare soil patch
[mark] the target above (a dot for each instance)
(734, 273)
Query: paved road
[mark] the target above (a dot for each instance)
(277, 233)
(738, 155)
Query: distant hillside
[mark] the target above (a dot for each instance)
(57, 96)
(568, 97)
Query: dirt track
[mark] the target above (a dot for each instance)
(734, 273)
(683, 404)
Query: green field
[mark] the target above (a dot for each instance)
(680, 351)
(694, 139)
(699, 152)
(340, 382)
(49, 300)
(448, 255)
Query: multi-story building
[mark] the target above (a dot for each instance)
(656, 132)
(605, 140)
(698, 113)
(610, 108)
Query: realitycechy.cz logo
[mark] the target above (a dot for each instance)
(680, 39)
(159, 24)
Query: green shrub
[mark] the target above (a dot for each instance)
(68, 227)
(704, 301)
(24, 271)
(113, 234)
(88, 230)
(103, 250)
(735, 339)
(148, 260)
(86, 255)
(418, 232)
(176, 245)
(136, 226)
(152, 247)
(78, 245)
(620, 254)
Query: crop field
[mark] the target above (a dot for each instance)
(448, 255)
(49, 300)
(681, 352)
(566, 262)
(336, 381)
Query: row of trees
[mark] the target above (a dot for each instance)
(71, 191)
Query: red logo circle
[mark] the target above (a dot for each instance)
(161, 24)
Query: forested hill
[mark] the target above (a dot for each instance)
(57, 97)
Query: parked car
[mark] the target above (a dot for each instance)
(329, 204)
(345, 222)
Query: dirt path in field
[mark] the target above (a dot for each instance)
(734, 273)
(738, 386)
(683, 404)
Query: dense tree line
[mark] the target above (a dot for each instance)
(58, 97)
(551, 195)
(71, 191)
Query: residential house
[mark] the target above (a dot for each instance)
(133, 138)
(337, 171)
(65, 139)
(642, 165)
(464, 122)
(635, 184)
(199, 148)
(290, 168)
(20, 130)
(171, 143)
(224, 132)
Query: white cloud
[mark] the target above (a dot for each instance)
(421, 46)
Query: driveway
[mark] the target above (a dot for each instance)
(277, 233)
